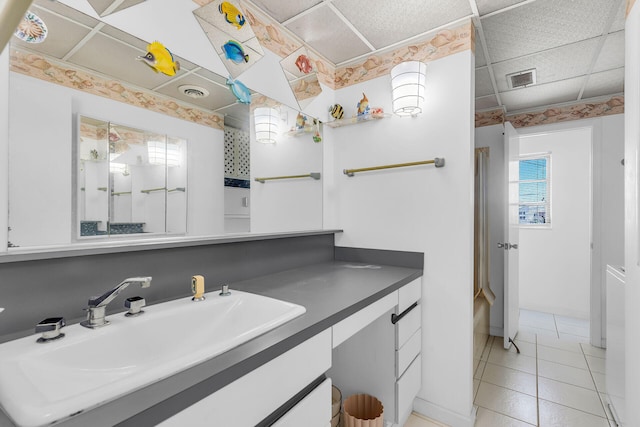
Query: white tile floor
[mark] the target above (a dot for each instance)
(556, 381)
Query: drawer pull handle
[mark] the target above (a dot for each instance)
(395, 318)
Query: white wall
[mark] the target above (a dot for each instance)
(632, 233)
(555, 262)
(492, 137)
(47, 148)
(288, 204)
(418, 209)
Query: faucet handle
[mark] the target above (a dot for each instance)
(50, 329)
(134, 304)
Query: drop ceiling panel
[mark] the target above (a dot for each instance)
(384, 22)
(65, 11)
(542, 25)
(612, 54)
(535, 96)
(618, 22)
(126, 38)
(117, 60)
(483, 82)
(335, 41)
(556, 64)
(488, 6)
(605, 83)
(486, 102)
(62, 36)
(127, 3)
(211, 76)
(218, 96)
(281, 10)
(480, 58)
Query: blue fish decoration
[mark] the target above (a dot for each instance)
(239, 90)
(233, 51)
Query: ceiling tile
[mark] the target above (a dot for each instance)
(618, 22)
(605, 83)
(556, 64)
(127, 3)
(336, 41)
(281, 10)
(612, 53)
(481, 61)
(117, 60)
(486, 102)
(488, 6)
(536, 96)
(62, 35)
(126, 38)
(66, 11)
(542, 25)
(483, 82)
(384, 22)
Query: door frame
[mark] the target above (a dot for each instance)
(597, 318)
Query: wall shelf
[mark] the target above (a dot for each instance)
(356, 120)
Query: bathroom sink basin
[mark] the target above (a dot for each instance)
(44, 383)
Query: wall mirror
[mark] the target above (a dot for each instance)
(80, 164)
(129, 181)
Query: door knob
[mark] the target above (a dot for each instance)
(514, 246)
(503, 245)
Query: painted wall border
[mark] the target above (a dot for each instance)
(54, 71)
(578, 111)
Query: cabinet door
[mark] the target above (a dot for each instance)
(251, 398)
(312, 411)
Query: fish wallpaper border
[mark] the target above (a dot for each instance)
(50, 70)
(579, 111)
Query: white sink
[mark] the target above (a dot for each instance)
(45, 383)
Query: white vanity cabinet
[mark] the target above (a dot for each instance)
(377, 352)
(253, 397)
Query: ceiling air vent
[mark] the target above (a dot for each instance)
(521, 79)
(193, 91)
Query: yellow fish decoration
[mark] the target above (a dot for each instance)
(160, 59)
(231, 14)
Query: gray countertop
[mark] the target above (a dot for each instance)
(329, 291)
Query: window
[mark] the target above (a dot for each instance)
(534, 187)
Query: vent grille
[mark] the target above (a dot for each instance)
(521, 79)
(193, 91)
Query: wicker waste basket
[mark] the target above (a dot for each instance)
(336, 403)
(363, 410)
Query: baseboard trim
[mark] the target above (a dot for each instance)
(443, 415)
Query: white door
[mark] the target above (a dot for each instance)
(511, 235)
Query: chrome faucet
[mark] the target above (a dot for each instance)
(98, 304)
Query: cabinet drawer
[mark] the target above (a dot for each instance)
(408, 294)
(408, 352)
(407, 388)
(344, 329)
(407, 326)
(312, 411)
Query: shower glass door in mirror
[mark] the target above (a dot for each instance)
(130, 181)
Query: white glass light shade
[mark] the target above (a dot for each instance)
(161, 154)
(266, 124)
(407, 87)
